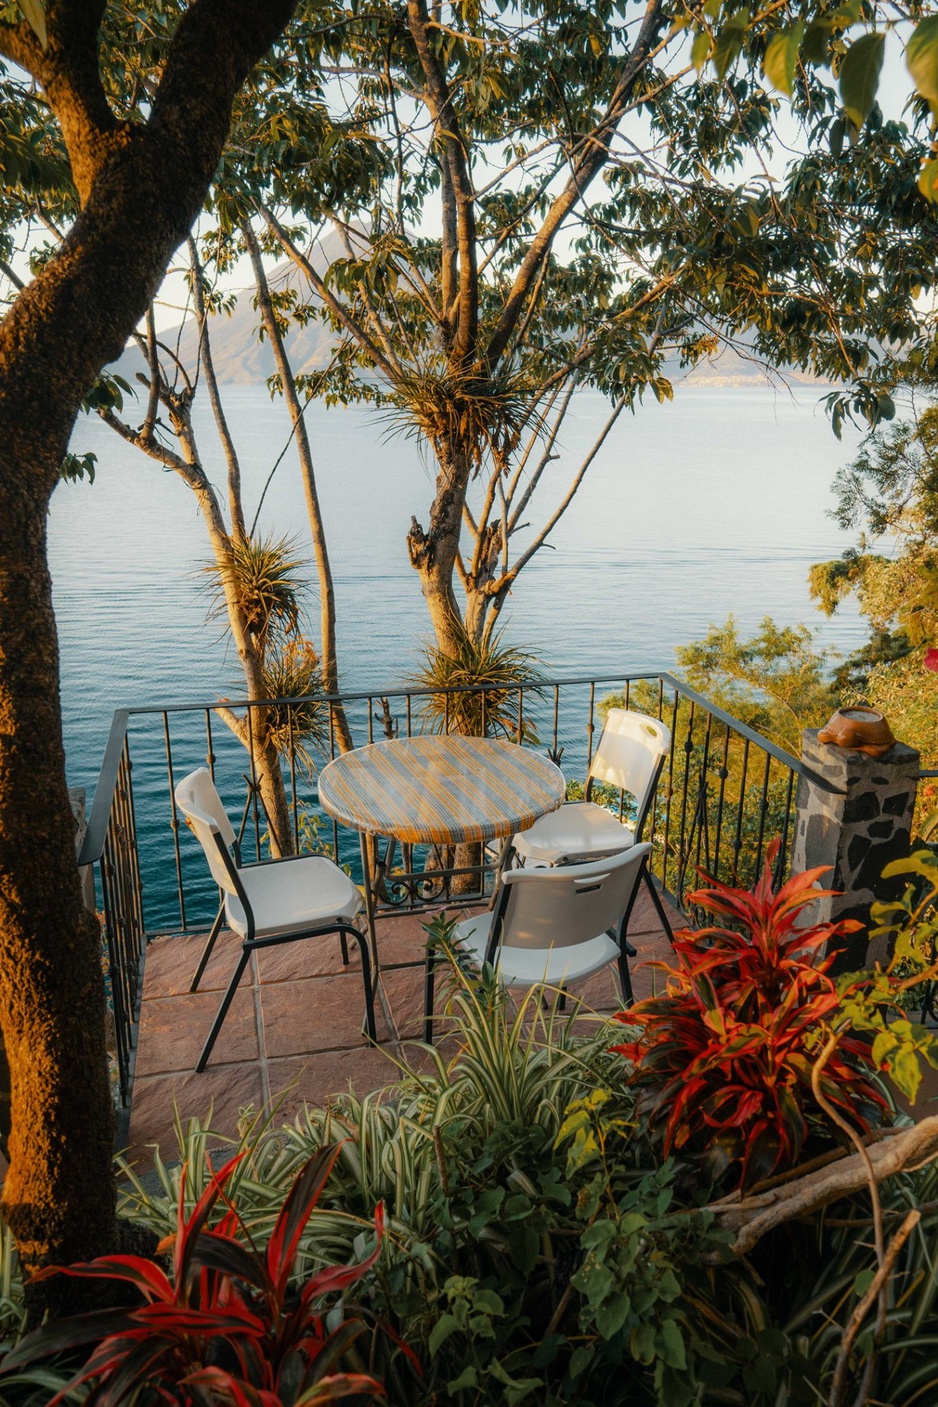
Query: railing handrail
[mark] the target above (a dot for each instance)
(695, 801)
(96, 834)
(780, 754)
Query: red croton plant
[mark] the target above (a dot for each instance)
(229, 1326)
(724, 1060)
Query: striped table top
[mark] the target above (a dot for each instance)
(440, 789)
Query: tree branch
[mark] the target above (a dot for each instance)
(235, 507)
(456, 167)
(337, 309)
(594, 152)
(752, 1217)
(504, 582)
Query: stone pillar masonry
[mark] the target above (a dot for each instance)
(855, 827)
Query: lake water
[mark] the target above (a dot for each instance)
(713, 504)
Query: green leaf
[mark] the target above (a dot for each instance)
(781, 58)
(598, 1284)
(906, 1073)
(729, 42)
(444, 1326)
(488, 1302)
(814, 48)
(670, 1345)
(859, 76)
(599, 1234)
(612, 1315)
(847, 15)
(921, 59)
(523, 1246)
(642, 1342)
(580, 1360)
(700, 50)
(467, 1378)
(928, 181)
(34, 13)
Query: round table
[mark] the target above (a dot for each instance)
(441, 790)
(438, 791)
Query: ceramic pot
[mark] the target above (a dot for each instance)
(863, 729)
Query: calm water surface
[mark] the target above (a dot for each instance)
(716, 503)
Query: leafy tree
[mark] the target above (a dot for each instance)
(889, 493)
(140, 176)
(776, 682)
(474, 339)
(830, 264)
(269, 642)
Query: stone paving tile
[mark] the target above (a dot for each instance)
(316, 1013)
(172, 960)
(225, 1090)
(173, 1031)
(314, 1078)
(403, 938)
(645, 919)
(306, 957)
(600, 992)
(403, 993)
(311, 1010)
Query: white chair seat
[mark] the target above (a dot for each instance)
(529, 966)
(290, 895)
(579, 829)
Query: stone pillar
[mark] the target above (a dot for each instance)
(855, 824)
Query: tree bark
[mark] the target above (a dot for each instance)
(329, 661)
(141, 187)
(433, 553)
(58, 1196)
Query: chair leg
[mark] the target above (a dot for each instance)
(207, 950)
(370, 1028)
(223, 1010)
(659, 907)
(625, 976)
(343, 944)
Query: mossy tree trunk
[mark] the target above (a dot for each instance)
(140, 186)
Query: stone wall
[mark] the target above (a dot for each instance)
(855, 824)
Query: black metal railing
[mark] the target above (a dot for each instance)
(111, 845)
(725, 794)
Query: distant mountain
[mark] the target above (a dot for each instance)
(242, 359)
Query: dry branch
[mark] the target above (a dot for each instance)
(752, 1217)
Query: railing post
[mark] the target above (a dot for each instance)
(853, 820)
(77, 801)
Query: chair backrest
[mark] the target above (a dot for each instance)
(630, 756)
(566, 904)
(201, 805)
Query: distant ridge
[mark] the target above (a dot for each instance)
(242, 359)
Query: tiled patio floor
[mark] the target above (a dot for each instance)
(295, 1024)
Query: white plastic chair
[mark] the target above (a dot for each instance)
(279, 901)
(630, 756)
(554, 925)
